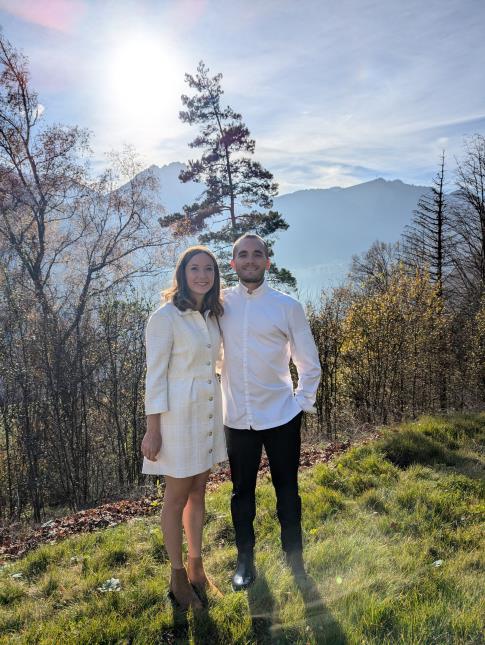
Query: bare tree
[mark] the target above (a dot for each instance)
(427, 242)
(469, 220)
(72, 240)
(371, 271)
(427, 247)
(326, 323)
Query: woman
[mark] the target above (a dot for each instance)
(184, 436)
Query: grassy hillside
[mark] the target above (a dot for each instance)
(394, 547)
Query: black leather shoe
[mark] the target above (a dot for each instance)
(294, 559)
(245, 573)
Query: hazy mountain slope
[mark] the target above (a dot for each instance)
(332, 224)
(327, 226)
(173, 193)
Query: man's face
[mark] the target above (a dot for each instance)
(250, 261)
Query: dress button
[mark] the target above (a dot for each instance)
(211, 398)
(208, 363)
(209, 381)
(210, 434)
(210, 450)
(209, 345)
(210, 416)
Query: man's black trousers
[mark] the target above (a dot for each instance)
(282, 446)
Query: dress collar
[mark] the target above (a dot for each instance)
(188, 312)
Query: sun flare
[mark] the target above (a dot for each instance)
(144, 81)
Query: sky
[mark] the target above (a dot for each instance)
(335, 92)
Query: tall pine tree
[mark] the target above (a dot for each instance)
(238, 194)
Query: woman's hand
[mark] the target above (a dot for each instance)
(152, 441)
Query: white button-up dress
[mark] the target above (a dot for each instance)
(182, 348)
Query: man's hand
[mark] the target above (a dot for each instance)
(152, 441)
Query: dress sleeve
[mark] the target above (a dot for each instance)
(305, 357)
(159, 342)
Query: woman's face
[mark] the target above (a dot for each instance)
(200, 274)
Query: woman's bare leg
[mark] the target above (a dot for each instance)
(193, 514)
(177, 492)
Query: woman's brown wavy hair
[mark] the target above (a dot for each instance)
(179, 292)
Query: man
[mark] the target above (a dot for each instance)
(262, 328)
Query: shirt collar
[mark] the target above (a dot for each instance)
(257, 292)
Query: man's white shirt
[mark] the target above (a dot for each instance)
(261, 331)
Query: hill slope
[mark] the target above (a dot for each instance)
(394, 549)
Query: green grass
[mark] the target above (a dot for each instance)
(394, 549)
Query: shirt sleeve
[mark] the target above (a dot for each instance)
(305, 357)
(159, 341)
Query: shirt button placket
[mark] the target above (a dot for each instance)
(245, 364)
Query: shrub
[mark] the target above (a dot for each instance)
(360, 469)
(9, 593)
(321, 503)
(115, 557)
(410, 446)
(373, 501)
(37, 562)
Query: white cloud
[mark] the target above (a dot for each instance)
(331, 93)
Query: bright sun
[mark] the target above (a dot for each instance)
(145, 81)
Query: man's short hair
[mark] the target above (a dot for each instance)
(250, 236)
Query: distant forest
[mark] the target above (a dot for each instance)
(405, 334)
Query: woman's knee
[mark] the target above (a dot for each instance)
(175, 504)
(197, 494)
(175, 499)
(197, 490)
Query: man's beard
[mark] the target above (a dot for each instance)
(252, 278)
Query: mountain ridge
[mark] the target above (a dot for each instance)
(327, 226)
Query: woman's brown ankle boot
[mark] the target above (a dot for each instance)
(199, 579)
(181, 592)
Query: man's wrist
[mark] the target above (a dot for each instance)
(153, 423)
(305, 404)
